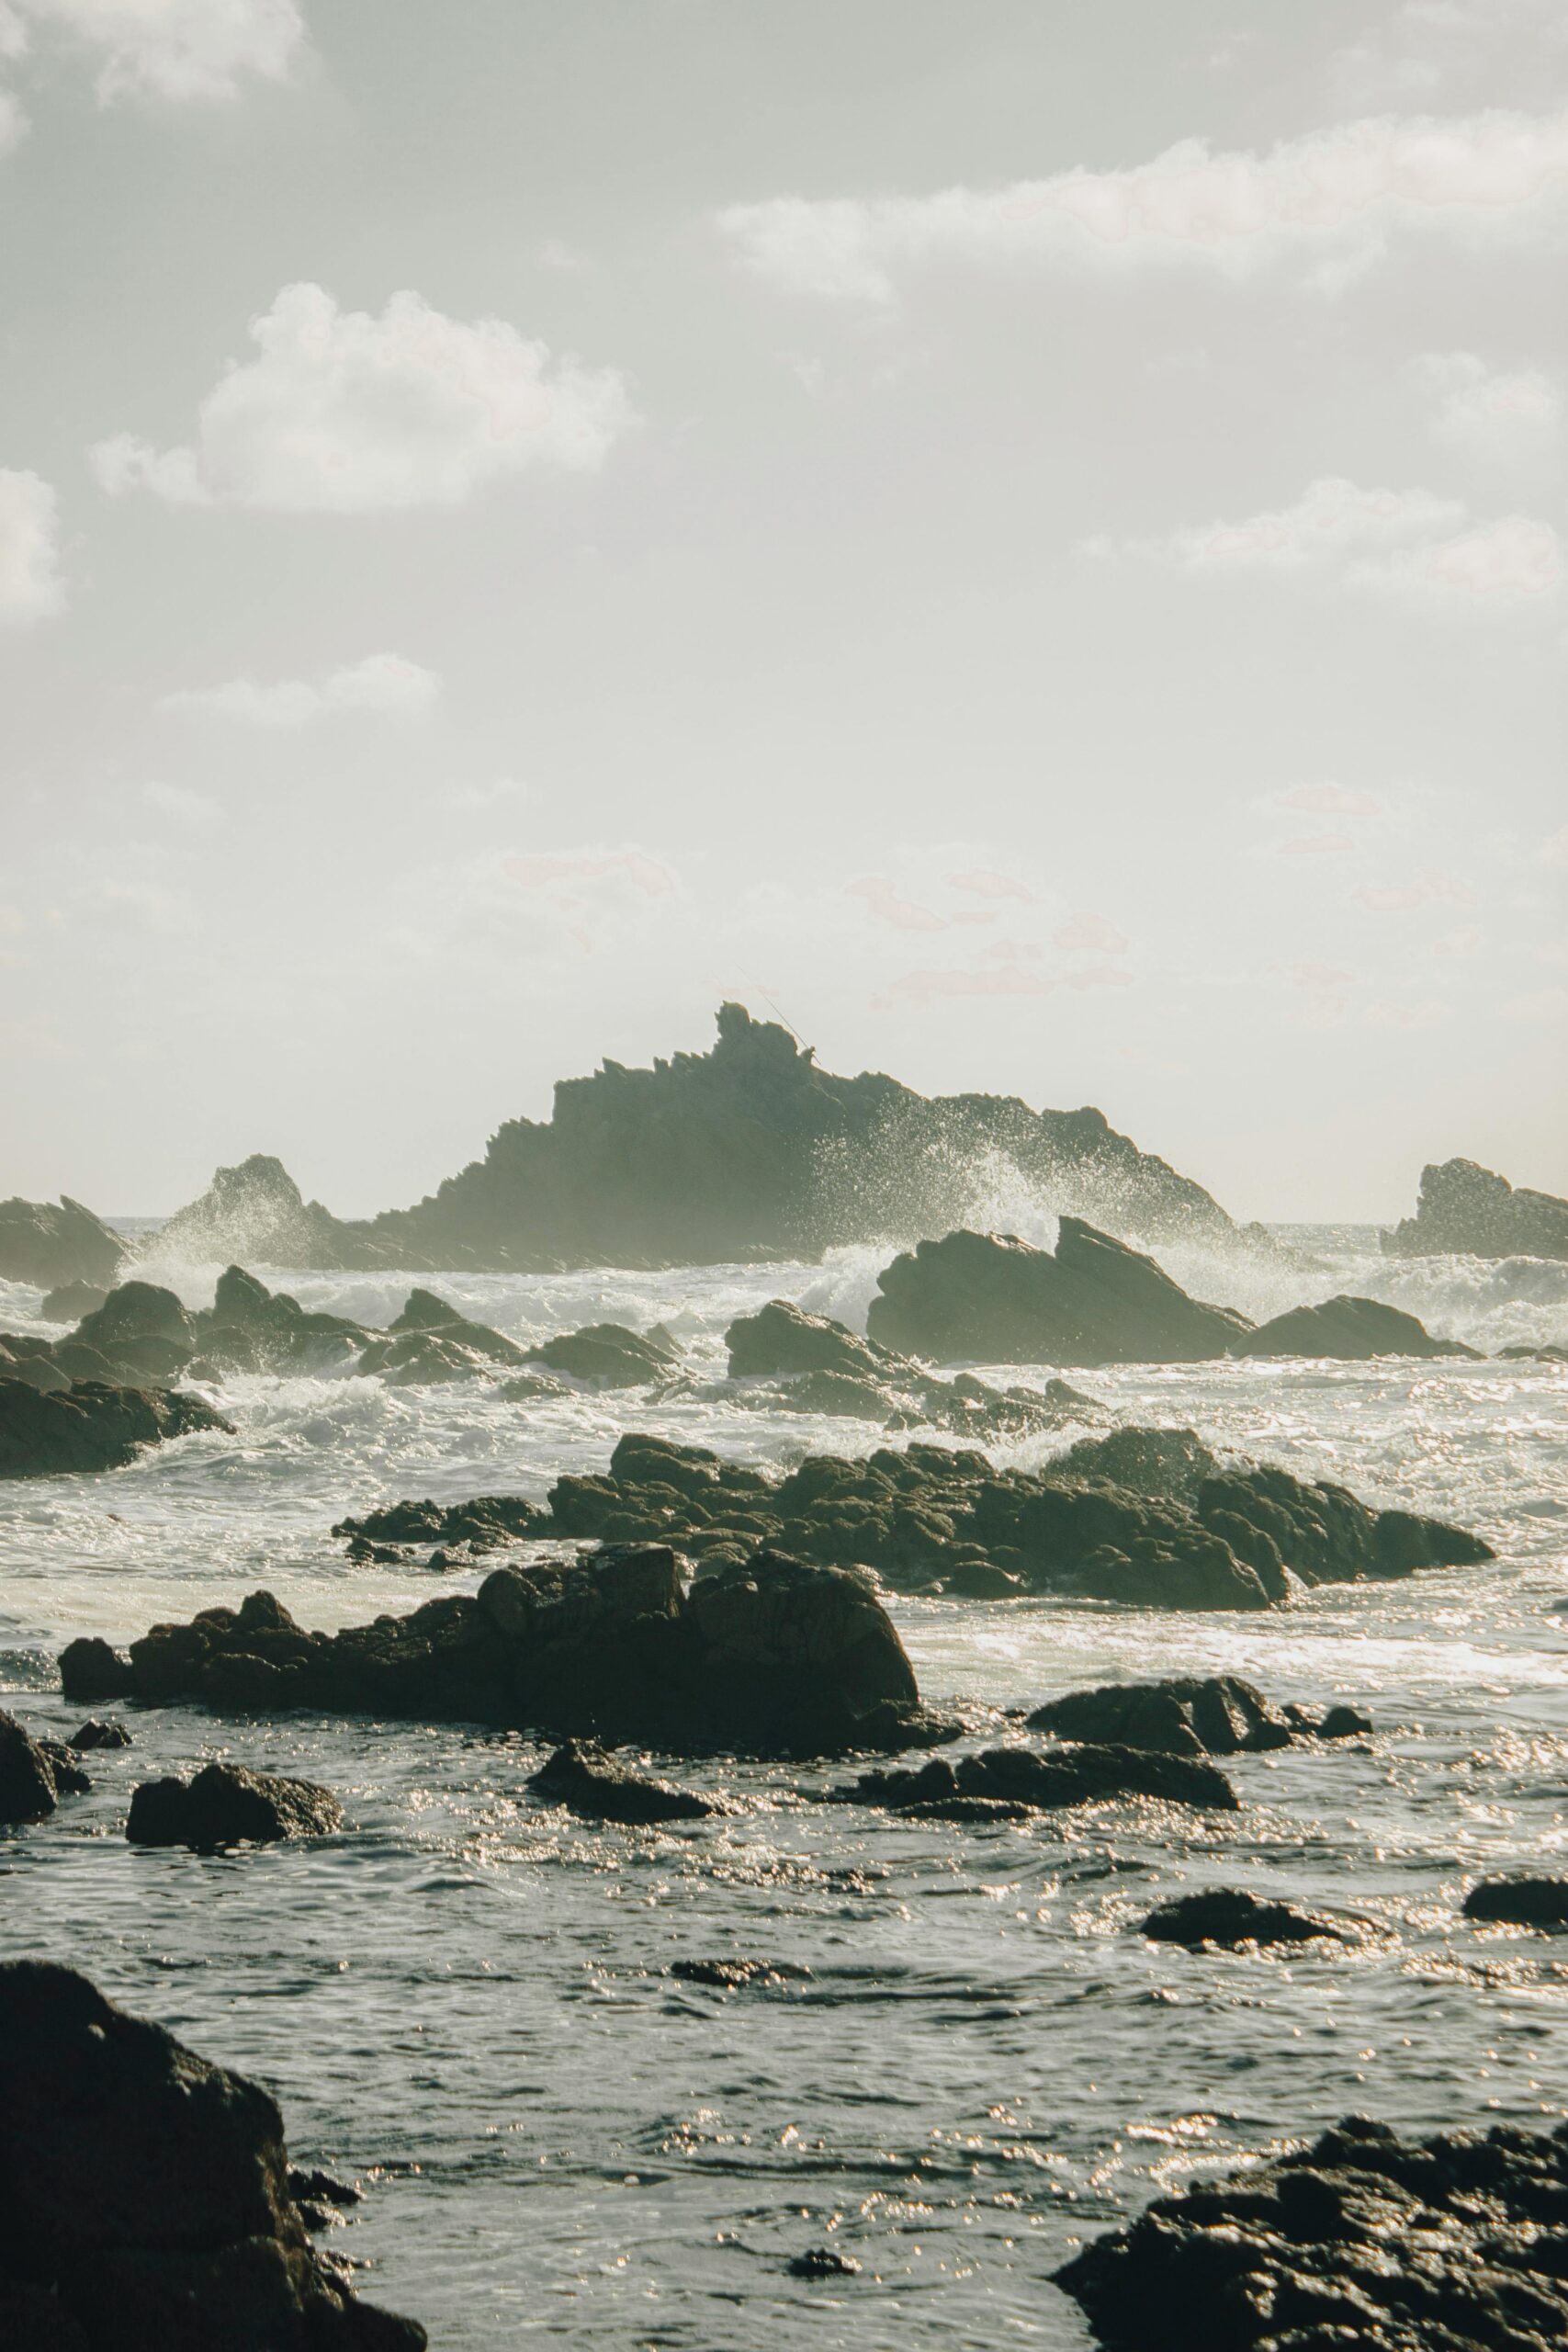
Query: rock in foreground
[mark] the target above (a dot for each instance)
(147, 2202)
(590, 1784)
(769, 1657)
(1364, 2243)
(1463, 1209)
(34, 1774)
(90, 1426)
(227, 1805)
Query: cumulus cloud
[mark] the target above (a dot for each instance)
(1514, 561)
(648, 876)
(1329, 520)
(192, 810)
(180, 50)
(1381, 1015)
(347, 413)
(32, 585)
(1555, 849)
(1091, 931)
(1004, 973)
(1490, 412)
(1336, 195)
(382, 683)
(1465, 940)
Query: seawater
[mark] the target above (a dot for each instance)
(464, 2000)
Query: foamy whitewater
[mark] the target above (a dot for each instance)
(463, 2000)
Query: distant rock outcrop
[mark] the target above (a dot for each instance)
(51, 1242)
(991, 1298)
(1351, 1330)
(86, 1425)
(1465, 1210)
(256, 1213)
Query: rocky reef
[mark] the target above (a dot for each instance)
(771, 1657)
(52, 1242)
(88, 1425)
(1363, 2239)
(1465, 1209)
(149, 2205)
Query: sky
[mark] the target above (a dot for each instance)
(1028, 540)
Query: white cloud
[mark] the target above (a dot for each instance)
(887, 901)
(382, 683)
(1490, 412)
(193, 810)
(1336, 194)
(1314, 845)
(31, 587)
(1510, 561)
(344, 413)
(179, 50)
(1464, 942)
(1330, 518)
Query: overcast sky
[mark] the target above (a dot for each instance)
(1028, 537)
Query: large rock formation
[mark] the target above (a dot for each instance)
(147, 2198)
(256, 1212)
(770, 1658)
(87, 1425)
(1363, 2240)
(1466, 1210)
(990, 1298)
(1353, 1331)
(50, 1243)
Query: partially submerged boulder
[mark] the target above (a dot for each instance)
(34, 1774)
(1215, 1715)
(770, 1657)
(252, 1329)
(1363, 2239)
(1466, 1210)
(607, 1355)
(51, 1242)
(147, 2198)
(991, 1298)
(1352, 1331)
(592, 1785)
(1230, 1917)
(1520, 1902)
(226, 1805)
(89, 1426)
(481, 1524)
(99, 1732)
(1015, 1781)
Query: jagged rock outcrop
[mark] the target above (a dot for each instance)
(226, 1805)
(769, 1657)
(1463, 1209)
(51, 1242)
(1363, 2240)
(1215, 1715)
(147, 2204)
(250, 1329)
(1352, 1331)
(816, 1365)
(34, 1774)
(1009, 1783)
(1230, 1917)
(256, 1213)
(991, 1298)
(90, 1426)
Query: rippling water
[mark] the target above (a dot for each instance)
(464, 1999)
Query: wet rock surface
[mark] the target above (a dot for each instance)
(88, 1425)
(34, 1774)
(1020, 1781)
(1230, 1917)
(1465, 1209)
(771, 1657)
(147, 2203)
(226, 1805)
(608, 1355)
(1215, 1715)
(1364, 2243)
(1521, 1902)
(587, 1781)
(1350, 1330)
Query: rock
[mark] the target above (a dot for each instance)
(1466, 1210)
(1521, 1902)
(608, 1355)
(423, 1311)
(1216, 1715)
(95, 1734)
(147, 2199)
(781, 1339)
(821, 2262)
(1361, 2242)
(252, 1329)
(1340, 1723)
(1519, 1353)
(90, 1670)
(738, 1975)
(990, 1298)
(91, 1427)
(50, 1243)
(32, 1362)
(421, 1359)
(34, 1774)
(256, 1213)
(1350, 1330)
(227, 1805)
(584, 1778)
(479, 1526)
(1028, 1780)
(71, 1301)
(1227, 1915)
(766, 1657)
(137, 1311)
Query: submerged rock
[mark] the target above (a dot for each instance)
(1230, 1917)
(768, 1658)
(1028, 1780)
(225, 1804)
(1520, 1902)
(588, 1782)
(89, 1426)
(1463, 1209)
(52, 1242)
(609, 1356)
(148, 2206)
(34, 1774)
(990, 1298)
(1363, 2240)
(822, 2262)
(1350, 1330)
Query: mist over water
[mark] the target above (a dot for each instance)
(465, 1995)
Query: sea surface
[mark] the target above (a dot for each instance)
(464, 2000)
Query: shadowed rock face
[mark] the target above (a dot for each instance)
(227, 1805)
(1364, 2240)
(1350, 1330)
(1229, 1916)
(51, 1242)
(990, 1298)
(1218, 1714)
(34, 1774)
(1521, 1902)
(1464, 1209)
(89, 1426)
(147, 2205)
(590, 1784)
(772, 1657)
(1015, 1781)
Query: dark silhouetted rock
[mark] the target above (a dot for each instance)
(1227, 1915)
(588, 1782)
(52, 1242)
(91, 1427)
(1362, 2243)
(147, 2205)
(1466, 1210)
(90, 1670)
(1031, 1779)
(137, 1311)
(822, 2262)
(71, 1301)
(480, 1525)
(34, 1774)
(990, 1298)
(1350, 1330)
(609, 1356)
(423, 1311)
(1337, 1723)
(1520, 1902)
(1216, 1715)
(738, 1975)
(252, 1329)
(227, 1805)
(98, 1734)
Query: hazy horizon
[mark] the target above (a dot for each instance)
(1028, 541)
